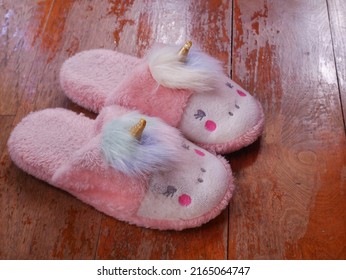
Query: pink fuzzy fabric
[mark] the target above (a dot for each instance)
(94, 79)
(90, 76)
(141, 92)
(104, 198)
(87, 176)
(63, 148)
(43, 141)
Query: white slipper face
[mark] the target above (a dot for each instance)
(222, 116)
(188, 191)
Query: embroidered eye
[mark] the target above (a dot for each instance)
(237, 106)
(170, 191)
(200, 180)
(203, 170)
(229, 85)
(187, 147)
(200, 114)
(230, 113)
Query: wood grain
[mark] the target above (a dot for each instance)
(291, 190)
(6, 128)
(109, 24)
(122, 241)
(16, 52)
(289, 200)
(159, 21)
(40, 222)
(337, 15)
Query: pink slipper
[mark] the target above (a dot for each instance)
(152, 178)
(186, 89)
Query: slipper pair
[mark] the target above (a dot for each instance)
(135, 165)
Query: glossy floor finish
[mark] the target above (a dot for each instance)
(291, 184)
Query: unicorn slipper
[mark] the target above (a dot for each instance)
(132, 167)
(187, 89)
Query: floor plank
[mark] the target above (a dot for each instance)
(17, 48)
(6, 127)
(109, 24)
(289, 203)
(122, 241)
(289, 200)
(41, 222)
(158, 21)
(337, 14)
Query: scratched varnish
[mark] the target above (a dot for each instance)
(291, 184)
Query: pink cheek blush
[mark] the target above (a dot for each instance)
(184, 200)
(210, 125)
(199, 152)
(241, 93)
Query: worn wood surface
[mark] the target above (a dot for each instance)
(291, 196)
(289, 201)
(337, 15)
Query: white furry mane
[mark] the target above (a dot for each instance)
(199, 73)
(159, 148)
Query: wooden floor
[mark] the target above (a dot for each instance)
(290, 200)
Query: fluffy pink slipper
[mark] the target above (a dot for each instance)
(186, 89)
(152, 177)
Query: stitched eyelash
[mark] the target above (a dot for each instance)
(170, 191)
(200, 114)
(185, 146)
(229, 85)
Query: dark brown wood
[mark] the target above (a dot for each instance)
(6, 127)
(122, 241)
(289, 201)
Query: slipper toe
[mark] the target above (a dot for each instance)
(194, 191)
(224, 121)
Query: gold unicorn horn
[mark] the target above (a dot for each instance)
(184, 51)
(137, 130)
